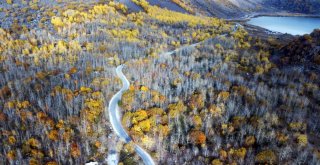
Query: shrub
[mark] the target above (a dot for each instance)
(238, 153)
(216, 111)
(53, 135)
(12, 140)
(223, 96)
(197, 137)
(143, 126)
(250, 140)
(139, 116)
(267, 156)
(302, 139)
(9, 2)
(197, 121)
(52, 163)
(75, 150)
(297, 126)
(176, 109)
(216, 162)
(11, 155)
(196, 101)
(57, 21)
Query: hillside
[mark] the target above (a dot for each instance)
(241, 8)
(182, 87)
(228, 8)
(233, 9)
(303, 51)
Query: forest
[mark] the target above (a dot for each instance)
(220, 98)
(301, 6)
(303, 50)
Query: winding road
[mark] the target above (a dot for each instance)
(114, 115)
(114, 112)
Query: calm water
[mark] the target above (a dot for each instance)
(291, 25)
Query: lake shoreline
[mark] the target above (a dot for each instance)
(294, 25)
(276, 14)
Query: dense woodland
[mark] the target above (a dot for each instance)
(224, 101)
(203, 106)
(303, 50)
(301, 6)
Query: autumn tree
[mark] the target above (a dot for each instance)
(197, 137)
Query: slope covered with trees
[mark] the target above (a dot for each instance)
(300, 6)
(240, 8)
(217, 104)
(221, 101)
(303, 51)
(57, 73)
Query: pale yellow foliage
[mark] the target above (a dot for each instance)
(147, 141)
(57, 21)
(267, 156)
(302, 139)
(9, 2)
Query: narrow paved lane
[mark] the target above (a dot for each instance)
(114, 115)
(114, 112)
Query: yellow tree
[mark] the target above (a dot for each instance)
(176, 108)
(266, 156)
(139, 116)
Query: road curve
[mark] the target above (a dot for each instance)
(114, 116)
(190, 46)
(147, 159)
(114, 113)
(113, 108)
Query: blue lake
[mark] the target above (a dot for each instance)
(290, 25)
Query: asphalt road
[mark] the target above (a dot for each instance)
(114, 112)
(114, 115)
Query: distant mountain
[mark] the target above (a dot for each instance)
(227, 8)
(238, 8)
(301, 6)
(233, 8)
